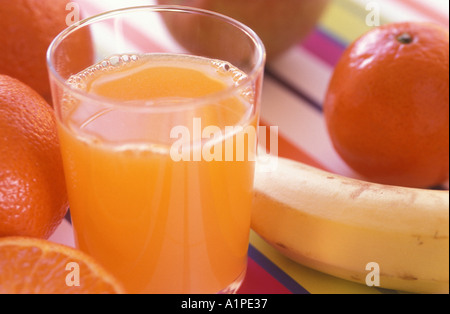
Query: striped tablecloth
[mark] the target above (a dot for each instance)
(294, 89)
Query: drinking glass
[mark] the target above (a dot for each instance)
(157, 120)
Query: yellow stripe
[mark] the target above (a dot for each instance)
(313, 281)
(346, 20)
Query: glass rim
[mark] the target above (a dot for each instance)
(180, 104)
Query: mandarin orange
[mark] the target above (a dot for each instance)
(36, 266)
(387, 106)
(33, 197)
(27, 27)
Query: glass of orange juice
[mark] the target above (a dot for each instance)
(157, 120)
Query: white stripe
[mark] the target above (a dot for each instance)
(399, 12)
(305, 71)
(441, 6)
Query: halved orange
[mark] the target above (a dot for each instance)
(36, 266)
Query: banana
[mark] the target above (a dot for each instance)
(340, 226)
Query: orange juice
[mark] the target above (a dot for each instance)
(166, 211)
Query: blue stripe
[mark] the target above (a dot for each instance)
(294, 90)
(334, 38)
(68, 217)
(276, 272)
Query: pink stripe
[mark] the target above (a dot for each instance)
(324, 46)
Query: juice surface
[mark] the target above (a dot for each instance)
(160, 225)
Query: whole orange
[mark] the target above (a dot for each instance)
(387, 106)
(27, 27)
(33, 197)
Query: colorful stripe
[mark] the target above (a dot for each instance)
(324, 46)
(297, 91)
(267, 278)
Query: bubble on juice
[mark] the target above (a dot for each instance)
(80, 80)
(232, 75)
(145, 150)
(224, 71)
(227, 69)
(238, 77)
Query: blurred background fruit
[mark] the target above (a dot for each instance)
(280, 23)
(33, 198)
(27, 27)
(36, 266)
(387, 107)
